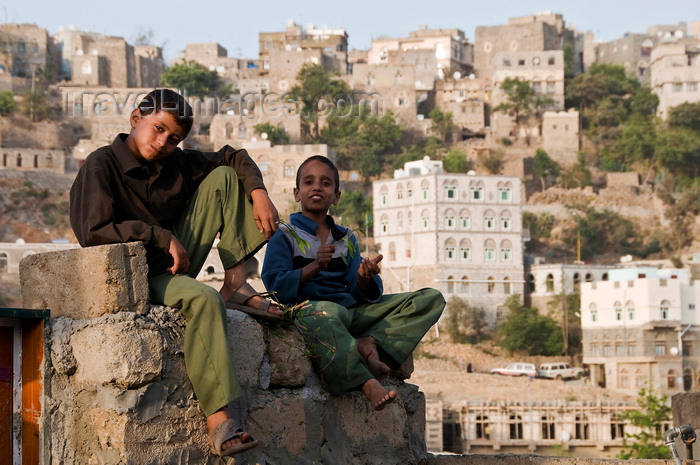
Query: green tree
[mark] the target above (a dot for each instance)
(524, 329)
(492, 161)
(686, 115)
(355, 209)
(678, 151)
(456, 161)
(464, 323)
(7, 103)
(442, 124)
(544, 167)
(194, 79)
(649, 417)
(578, 175)
(363, 143)
(681, 210)
(276, 135)
(321, 96)
(567, 305)
(522, 102)
(636, 144)
(430, 147)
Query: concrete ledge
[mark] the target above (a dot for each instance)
(515, 459)
(88, 282)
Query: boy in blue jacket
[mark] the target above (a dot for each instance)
(367, 333)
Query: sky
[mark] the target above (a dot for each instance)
(235, 24)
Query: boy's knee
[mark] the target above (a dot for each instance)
(328, 310)
(221, 175)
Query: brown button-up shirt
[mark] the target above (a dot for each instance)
(116, 199)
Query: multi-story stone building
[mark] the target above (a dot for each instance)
(450, 49)
(24, 159)
(675, 73)
(544, 70)
(332, 43)
(242, 73)
(583, 428)
(467, 98)
(545, 280)
(560, 135)
(535, 33)
(25, 49)
(460, 233)
(640, 330)
(92, 59)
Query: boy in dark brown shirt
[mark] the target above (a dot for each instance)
(144, 188)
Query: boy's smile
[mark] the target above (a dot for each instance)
(153, 136)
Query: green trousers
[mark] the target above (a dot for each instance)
(219, 206)
(398, 322)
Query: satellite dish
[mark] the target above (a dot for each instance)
(565, 436)
(674, 350)
(263, 136)
(472, 76)
(457, 75)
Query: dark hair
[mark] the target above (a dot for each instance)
(325, 161)
(171, 102)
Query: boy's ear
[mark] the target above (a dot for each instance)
(337, 198)
(135, 117)
(296, 195)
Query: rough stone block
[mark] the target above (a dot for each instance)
(118, 353)
(289, 361)
(87, 282)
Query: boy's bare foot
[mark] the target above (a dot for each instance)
(377, 395)
(367, 346)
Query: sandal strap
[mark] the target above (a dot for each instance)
(241, 295)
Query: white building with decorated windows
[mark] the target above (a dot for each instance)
(641, 330)
(459, 233)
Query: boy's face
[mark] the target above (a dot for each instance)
(153, 136)
(317, 190)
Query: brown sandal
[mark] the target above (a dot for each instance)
(241, 295)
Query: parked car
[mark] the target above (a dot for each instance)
(559, 370)
(517, 369)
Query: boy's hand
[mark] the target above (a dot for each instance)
(264, 212)
(324, 255)
(369, 267)
(181, 262)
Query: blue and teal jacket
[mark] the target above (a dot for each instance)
(285, 257)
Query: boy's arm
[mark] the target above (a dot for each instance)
(277, 273)
(92, 216)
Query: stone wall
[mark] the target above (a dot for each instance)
(117, 391)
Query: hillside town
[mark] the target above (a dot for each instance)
(500, 202)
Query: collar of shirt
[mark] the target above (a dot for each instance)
(309, 225)
(128, 163)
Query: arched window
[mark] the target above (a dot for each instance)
(548, 422)
(630, 310)
(384, 195)
(384, 224)
(464, 285)
(450, 219)
(489, 220)
(506, 221)
(465, 250)
(399, 191)
(3, 261)
(618, 311)
(582, 427)
(242, 132)
(593, 308)
(506, 286)
(450, 245)
(490, 285)
(549, 282)
(392, 251)
(631, 346)
(425, 189)
(450, 284)
(624, 379)
(465, 219)
(506, 251)
(664, 310)
(639, 378)
(263, 164)
(425, 219)
(671, 379)
(490, 250)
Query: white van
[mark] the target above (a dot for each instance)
(559, 370)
